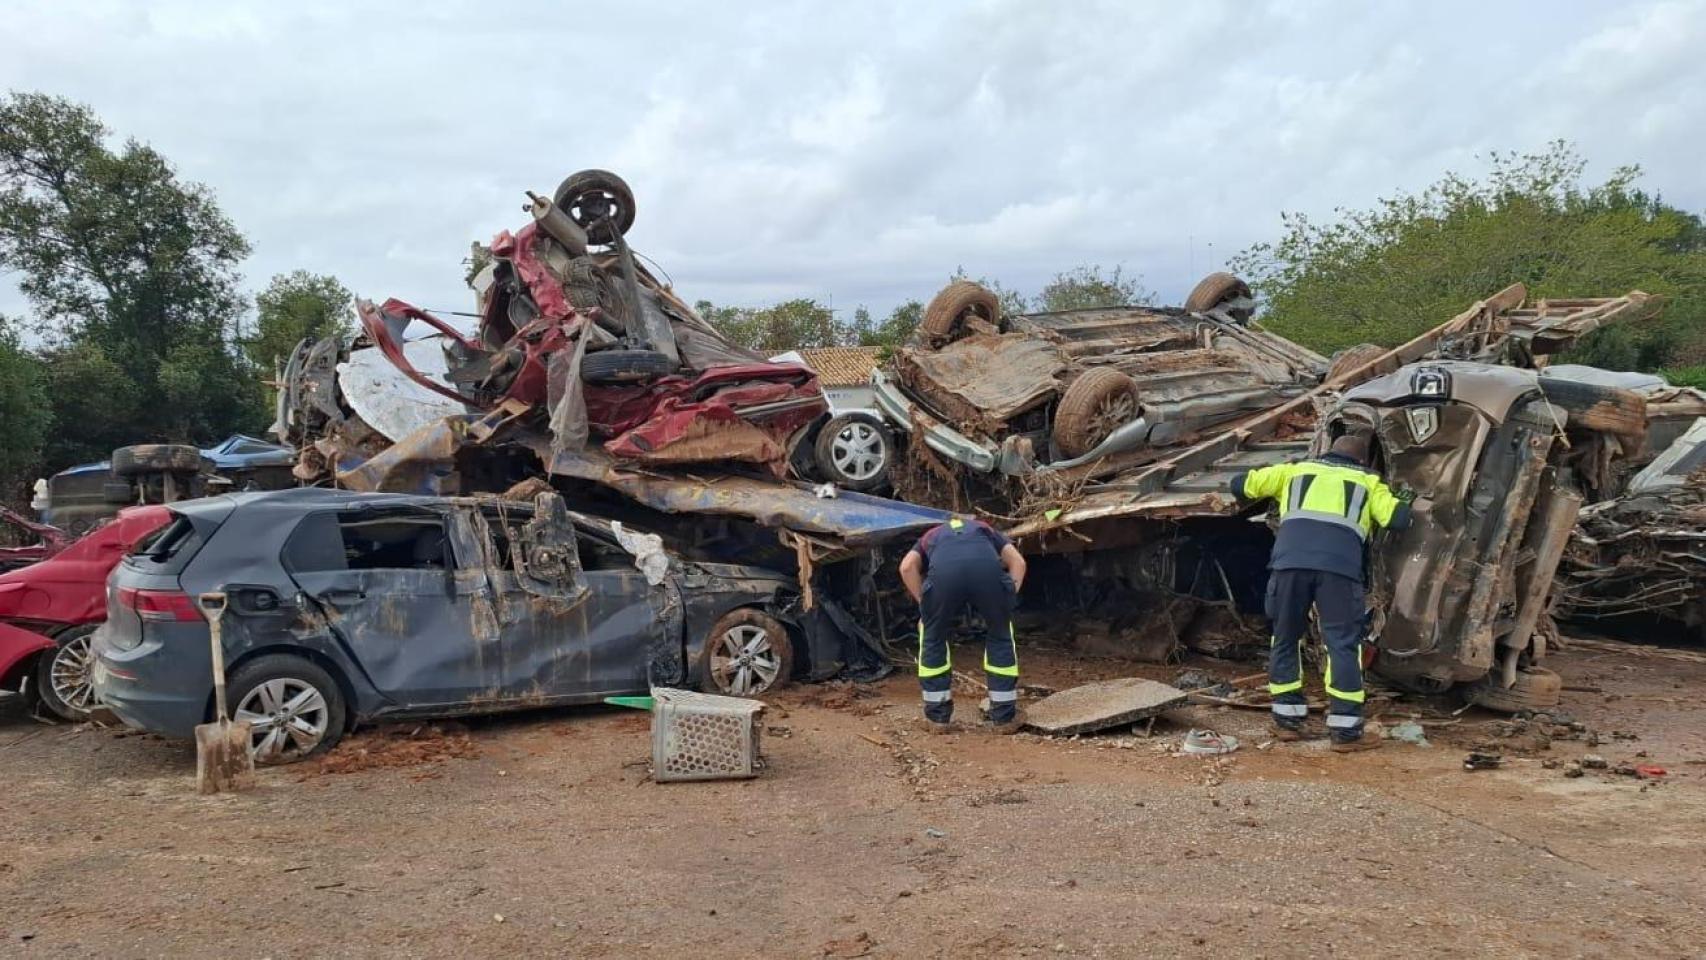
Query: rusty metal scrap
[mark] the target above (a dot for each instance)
(1642, 555)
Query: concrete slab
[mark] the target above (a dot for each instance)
(1101, 705)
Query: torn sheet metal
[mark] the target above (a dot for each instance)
(391, 402)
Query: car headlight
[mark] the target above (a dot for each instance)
(1424, 422)
(1430, 382)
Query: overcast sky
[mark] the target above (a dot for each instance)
(853, 152)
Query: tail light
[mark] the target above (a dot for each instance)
(159, 605)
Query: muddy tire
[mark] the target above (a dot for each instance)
(854, 452)
(613, 367)
(747, 653)
(1593, 407)
(1100, 401)
(597, 199)
(156, 458)
(1213, 290)
(265, 688)
(1535, 689)
(64, 675)
(1352, 358)
(945, 316)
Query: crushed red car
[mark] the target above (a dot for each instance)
(579, 348)
(49, 610)
(48, 540)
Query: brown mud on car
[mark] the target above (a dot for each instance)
(1500, 459)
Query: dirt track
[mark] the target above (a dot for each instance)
(540, 835)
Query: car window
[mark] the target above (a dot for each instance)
(369, 540)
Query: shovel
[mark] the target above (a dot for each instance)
(222, 757)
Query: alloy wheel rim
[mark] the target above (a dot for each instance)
(72, 674)
(858, 451)
(744, 661)
(287, 718)
(1111, 414)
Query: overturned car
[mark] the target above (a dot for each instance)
(345, 608)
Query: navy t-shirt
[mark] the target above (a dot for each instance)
(972, 537)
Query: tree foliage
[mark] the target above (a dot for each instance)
(890, 332)
(1087, 286)
(129, 272)
(295, 306)
(24, 411)
(789, 325)
(1411, 261)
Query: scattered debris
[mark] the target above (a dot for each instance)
(1594, 761)
(1207, 743)
(1481, 760)
(1408, 732)
(398, 745)
(934, 833)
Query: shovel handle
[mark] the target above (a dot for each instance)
(213, 607)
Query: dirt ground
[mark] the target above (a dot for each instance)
(541, 834)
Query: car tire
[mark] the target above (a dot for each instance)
(1098, 402)
(945, 316)
(1535, 689)
(854, 452)
(752, 634)
(596, 199)
(64, 675)
(1217, 288)
(156, 458)
(118, 492)
(614, 367)
(1353, 358)
(260, 688)
(1593, 407)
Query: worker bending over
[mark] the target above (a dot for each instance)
(962, 563)
(1327, 509)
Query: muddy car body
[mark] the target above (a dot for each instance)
(1057, 390)
(347, 608)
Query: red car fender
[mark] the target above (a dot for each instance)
(18, 649)
(70, 587)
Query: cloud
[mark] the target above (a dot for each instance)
(859, 152)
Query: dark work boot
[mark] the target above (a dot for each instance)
(1285, 734)
(1358, 745)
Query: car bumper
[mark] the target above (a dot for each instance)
(151, 691)
(948, 442)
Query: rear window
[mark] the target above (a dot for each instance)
(170, 548)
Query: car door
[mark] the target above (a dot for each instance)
(402, 599)
(569, 633)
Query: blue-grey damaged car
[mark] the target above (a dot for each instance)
(346, 607)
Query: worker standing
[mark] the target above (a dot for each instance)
(1327, 509)
(959, 564)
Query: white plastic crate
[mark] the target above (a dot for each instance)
(702, 736)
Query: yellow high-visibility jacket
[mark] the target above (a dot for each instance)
(1327, 508)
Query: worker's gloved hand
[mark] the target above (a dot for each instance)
(1406, 495)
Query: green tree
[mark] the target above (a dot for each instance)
(93, 403)
(890, 332)
(1087, 286)
(116, 255)
(1414, 260)
(24, 411)
(295, 306)
(789, 325)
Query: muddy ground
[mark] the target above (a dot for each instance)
(541, 834)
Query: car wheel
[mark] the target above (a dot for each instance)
(1353, 358)
(945, 316)
(294, 708)
(65, 674)
(1222, 288)
(854, 452)
(1535, 688)
(156, 458)
(597, 200)
(747, 653)
(615, 367)
(1099, 402)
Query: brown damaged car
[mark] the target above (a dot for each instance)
(1500, 459)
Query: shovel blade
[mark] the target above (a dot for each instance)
(222, 757)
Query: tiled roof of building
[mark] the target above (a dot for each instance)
(842, 366)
